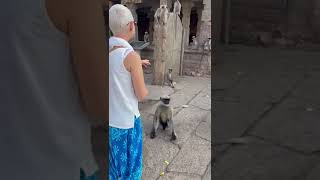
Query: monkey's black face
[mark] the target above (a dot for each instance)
(165, 100)
(170, 70)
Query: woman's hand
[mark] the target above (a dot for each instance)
(145, 63)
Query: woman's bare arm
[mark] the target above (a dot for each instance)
(134, 66)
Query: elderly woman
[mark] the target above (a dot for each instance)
(126, 89)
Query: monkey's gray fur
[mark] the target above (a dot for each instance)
(157, 17)
(161, 15)
(164, 13)
(163, 116)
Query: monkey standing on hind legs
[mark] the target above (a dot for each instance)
(157, 17)
(163, 116)
(164, 15)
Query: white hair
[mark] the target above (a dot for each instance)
(119, 17)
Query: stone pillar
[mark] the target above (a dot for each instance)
(131, 4)
(160, 52)
(205, 26)
(186, 11)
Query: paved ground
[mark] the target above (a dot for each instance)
(189, 157)
(270, 98)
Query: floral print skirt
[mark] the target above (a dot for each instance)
(125, 152)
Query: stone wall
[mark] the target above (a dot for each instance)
(167, 51)
(174, 42)
(205, 22)
(191, 63)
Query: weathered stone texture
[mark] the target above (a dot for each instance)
(192, 62)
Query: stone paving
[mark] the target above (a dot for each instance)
(189, 157)
(271, 97)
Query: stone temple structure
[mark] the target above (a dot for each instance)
(195, 20)
(195, 16)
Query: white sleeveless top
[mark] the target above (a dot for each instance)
(44, 133)
(123, 103)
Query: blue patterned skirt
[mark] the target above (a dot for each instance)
(125, 152)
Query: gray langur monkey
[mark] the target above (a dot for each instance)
(169, 77)
(164, 12)
(163, 116)
(161, 19)
(157, 17)
(146, 37)
(177, 7)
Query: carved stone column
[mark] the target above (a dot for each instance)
(160, 52)
(205, 26)
(186, 11)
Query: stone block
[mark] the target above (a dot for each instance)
(179, 176)
(204, 129)
(207, 175)
(155, 152)
(202, 100)
(193, 158)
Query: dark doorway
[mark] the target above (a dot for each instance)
(193, 23)
(143, 21)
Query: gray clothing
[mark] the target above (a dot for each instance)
(44, 133)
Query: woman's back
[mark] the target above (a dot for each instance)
(123, 103)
